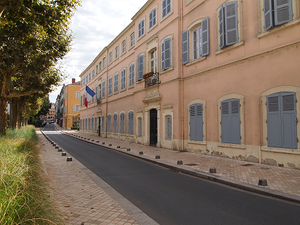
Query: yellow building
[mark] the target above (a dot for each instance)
(71, 104)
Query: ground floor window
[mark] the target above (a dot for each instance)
(282, 120)
(230, 121)
(130, 123)
(196, 122)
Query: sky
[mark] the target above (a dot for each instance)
(95, 24)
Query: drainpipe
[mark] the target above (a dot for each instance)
(181, 78)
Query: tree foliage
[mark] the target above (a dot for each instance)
(34, 36)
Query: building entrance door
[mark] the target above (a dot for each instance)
(153, 127)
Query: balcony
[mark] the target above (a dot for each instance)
(152, 80)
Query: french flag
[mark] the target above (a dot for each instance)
(89, 95)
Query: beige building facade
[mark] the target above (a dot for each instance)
(211, 77)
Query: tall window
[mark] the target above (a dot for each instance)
(230, 121)
(228, 24)
(123, 79)
(115, 123)
(196, 122)
(132, 39)
(166, 7)
(116, 83)
(124, 46)
(104, 61)
(282, 120)
(140, 67)
(168, 124)
(110, 57)
(89, 124)
(103, 89)
(109, 123)
(93, 73)
(110, 86)
(277, 13)
(92, 123)
(102, 124)
(166, 54)
(95, 123)
(131, 75)
(90, 76)
(153, 62)
(117, 52)
(140, 127)
(122, 123)
(152, 18)
(141, 28)
(77, 94)
(130, 123)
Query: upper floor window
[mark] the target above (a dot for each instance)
(110, 86)
(77, 94)
(104, 59)
(117, 52)
(131, 75)
(122, 123)
(166, 54)
(140, 67)
(90, 76)
(228, 24)
(93, 73)
(123, 46)
(141, 28)
(132, 39)
(103, 89)
(110, 57)
(199, 36)
(116, 83)
(153, 61)
(123, 79)
(86, 78)
(97, 69)
(166, 7)
(152, 18)
(277, 13)
(100, 66)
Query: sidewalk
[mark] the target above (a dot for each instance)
(283, 183)
(82, 197)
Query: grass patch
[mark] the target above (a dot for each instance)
(24, 196)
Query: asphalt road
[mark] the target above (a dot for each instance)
(174, 198)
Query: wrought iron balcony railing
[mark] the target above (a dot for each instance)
(153, 80)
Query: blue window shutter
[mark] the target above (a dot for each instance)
(130, 123)
(164, 8)
(193, 126)
(289, 117)
(274, 123)
(115, 123)
(235, 133)
(225, 121)
(221, 27)
(131, 75)
(163, 56)
(102, 124)
(141, 67)
(268, 14)
(167, 53)
(95, 123)
(205, 36)
(185, 47)
(231, 23)
(199, 122)
(123, 79)
(283, 11)
(103, 89)
(92, 123)
(122, 123)
(109, 123)
(150, 19)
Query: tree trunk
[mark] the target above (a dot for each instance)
(3, 116)
(13, 113)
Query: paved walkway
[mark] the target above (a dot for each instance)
(83, 198)
(281, 182)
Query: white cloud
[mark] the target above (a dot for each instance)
(95, 24)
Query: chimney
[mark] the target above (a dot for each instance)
(73, 80)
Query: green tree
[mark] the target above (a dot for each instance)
(34, 36)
